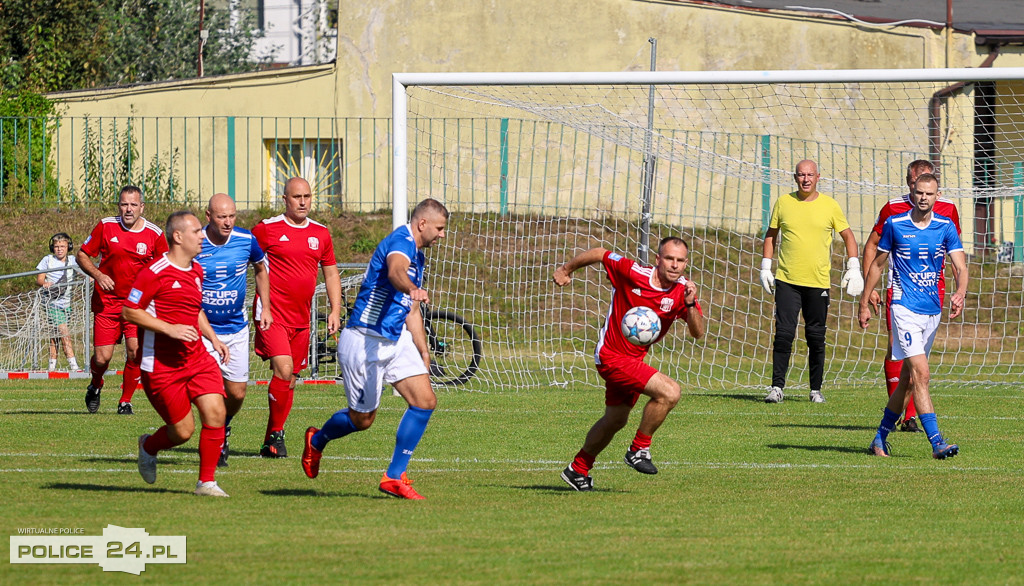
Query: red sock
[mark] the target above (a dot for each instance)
(582, 463)
(640, 442)
(158, 441)
(892, 369)
(210, 441)
(97, 374)
(911, 410)
(132, 373)
(280, 397)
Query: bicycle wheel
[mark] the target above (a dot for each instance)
(456, 349)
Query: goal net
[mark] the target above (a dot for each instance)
(29, 320)
(538, 167)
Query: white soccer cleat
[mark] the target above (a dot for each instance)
(209, 489)
(774, 395)
(817, 397)
(147, 463)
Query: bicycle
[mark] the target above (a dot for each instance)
(456, 349)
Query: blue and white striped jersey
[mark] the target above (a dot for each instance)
(224, 285)
(917, 256)
(379, 306)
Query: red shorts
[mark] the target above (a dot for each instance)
(888, 302)
(108, 326)
(624, 379)
(282, 340)
(172, 392)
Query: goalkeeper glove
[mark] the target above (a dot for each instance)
(767, 279)
(852, 280)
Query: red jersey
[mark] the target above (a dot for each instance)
(899, 205)
(123, 253)
(174, 295)
(632, 286)
(294, 254)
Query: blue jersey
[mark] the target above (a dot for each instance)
(224, 285)
(917, 256)
(379, 306)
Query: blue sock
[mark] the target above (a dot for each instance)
(338, 426)
(888, 424)
(410, 430)
(227, 420)
(931, 428)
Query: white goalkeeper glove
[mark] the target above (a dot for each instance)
(852, 280)
(767, 279)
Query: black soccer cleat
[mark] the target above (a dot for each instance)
(274, 448)
(578, 482)
(222, 461)
(640, 460)
(125, 408)
(92, 398)
(910, 424)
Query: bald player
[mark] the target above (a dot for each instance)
(227, 253)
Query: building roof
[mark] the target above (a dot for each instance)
(992, 19)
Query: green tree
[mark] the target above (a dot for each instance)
(155, 40)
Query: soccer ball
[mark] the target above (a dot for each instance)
(641, 326)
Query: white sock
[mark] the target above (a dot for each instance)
(73, 364)
(53, 364)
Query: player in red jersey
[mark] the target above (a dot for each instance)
(166, 303)
(295, 248)
(126, 243)
(620, 363)
(891, 368)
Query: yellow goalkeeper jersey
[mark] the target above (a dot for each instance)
(806, 232)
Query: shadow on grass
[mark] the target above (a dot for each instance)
(554, 488)
(104, 488)
(319, 493)
(756, 397)
(827, 426)
(840, 449)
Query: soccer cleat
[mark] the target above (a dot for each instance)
(816, 397)
(640, 460)
(147, 463)
(92, 398)
(401, 488)
(774, 395)
(125, 408)
(944, 450)
(274, 448)
(222, 461)
(310, 455)
(209, 488)
(879, 448)
(578, 482)
(910, 424)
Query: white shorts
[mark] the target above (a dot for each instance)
(237, 368)
(368, 361)
(913, 332)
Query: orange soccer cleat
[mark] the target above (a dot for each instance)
(310, 455)
(401, 488)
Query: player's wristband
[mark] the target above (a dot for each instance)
(694, 304)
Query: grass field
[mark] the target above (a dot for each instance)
(748, 492)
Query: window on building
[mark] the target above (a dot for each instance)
(315, 160)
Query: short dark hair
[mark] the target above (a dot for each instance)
(429, 206)
(174, 224)
(919, 165)
(132, 189)
(672, 240)
(927, 177)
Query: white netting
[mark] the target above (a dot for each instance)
(28, 321)
(535, 174)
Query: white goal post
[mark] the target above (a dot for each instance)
(536, 167)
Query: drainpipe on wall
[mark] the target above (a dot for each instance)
(982, 209)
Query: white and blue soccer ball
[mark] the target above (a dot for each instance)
(641, 326)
